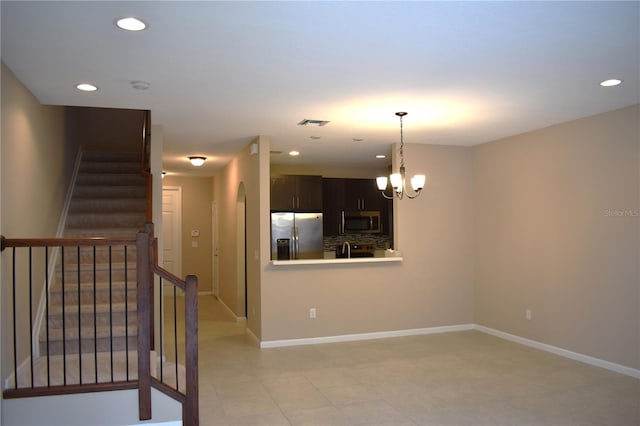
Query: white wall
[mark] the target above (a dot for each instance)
(250, 170)
(114, 408)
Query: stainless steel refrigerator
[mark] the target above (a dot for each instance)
(296, 236)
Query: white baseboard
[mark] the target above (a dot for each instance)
(364, 336)
(628, 371)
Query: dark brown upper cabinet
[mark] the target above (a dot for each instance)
(299, 193)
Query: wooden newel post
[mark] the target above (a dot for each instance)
(190, 409)
(145, 276)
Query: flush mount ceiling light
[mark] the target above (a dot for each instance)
(197, 160)
(398, 179)
(380, 157)
(140, 85)
(612, 82)
(131, 24)
(294, 153)
(307, 122)
(86, 87)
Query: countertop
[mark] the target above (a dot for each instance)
(333, 261)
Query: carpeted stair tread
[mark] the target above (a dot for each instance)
(86, 333)
(109, 200)
(106, 205)
(105, 219)
(122, 232)
(104, 178)
(110, 191)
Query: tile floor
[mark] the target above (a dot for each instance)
(462, 378)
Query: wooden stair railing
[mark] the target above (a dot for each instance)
(36, 371)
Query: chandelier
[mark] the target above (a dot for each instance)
(398, 180)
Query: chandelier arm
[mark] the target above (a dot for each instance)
(416, 195)
(386, 196)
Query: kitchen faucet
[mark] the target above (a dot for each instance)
(346, 243)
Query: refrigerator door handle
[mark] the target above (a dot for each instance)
(294, 239)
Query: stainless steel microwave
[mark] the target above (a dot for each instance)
(361, 222)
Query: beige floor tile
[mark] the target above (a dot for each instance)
(330, 377)
(243, 407)
(268, 419)
(464, 378)
(235, 390)
(377, 412)
(299, 399)
(325, 416)
(348, 394)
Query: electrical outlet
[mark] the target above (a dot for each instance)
(312, 313)
(527, 314)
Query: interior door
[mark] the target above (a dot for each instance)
(172, 229)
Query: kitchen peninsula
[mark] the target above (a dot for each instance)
(333, 261)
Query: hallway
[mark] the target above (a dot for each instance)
(463, 378)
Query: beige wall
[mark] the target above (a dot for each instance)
(433, 286)
(557, 232)
(196, 215)
(252, 172)
(106, 129)
(37, 165)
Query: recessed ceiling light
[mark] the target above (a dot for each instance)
(315, 137)
(357, 139)
(381, 156)
(294, 153)
(611, 82)
(131, 24)
(197, 160)
(86, 87)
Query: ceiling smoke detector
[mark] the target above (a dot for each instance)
(307, 122)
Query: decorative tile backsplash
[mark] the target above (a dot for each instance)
(379, 241)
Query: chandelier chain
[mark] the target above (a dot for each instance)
(401, 145)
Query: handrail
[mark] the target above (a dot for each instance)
(189, 398)
(64, 242)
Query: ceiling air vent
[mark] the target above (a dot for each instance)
(307, 122)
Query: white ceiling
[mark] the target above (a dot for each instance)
(223, 72)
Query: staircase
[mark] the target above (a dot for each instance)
(109, 200)
(82, 335)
